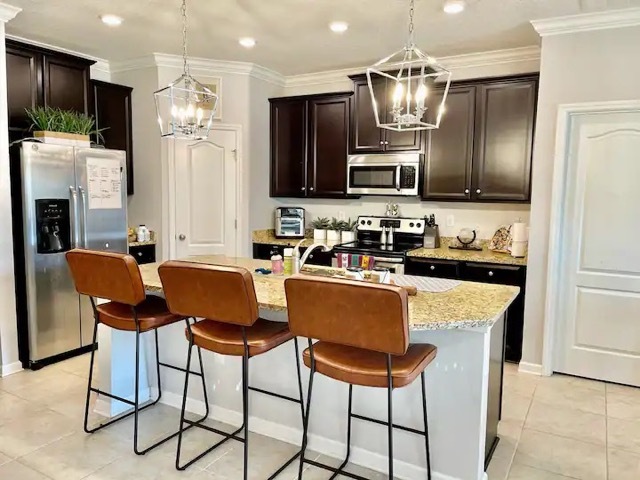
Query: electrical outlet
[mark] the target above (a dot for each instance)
(451, 221)
(342, 216)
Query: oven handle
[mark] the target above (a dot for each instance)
(388, 260)
(398, 170)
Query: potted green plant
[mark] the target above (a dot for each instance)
(62, 127)
(335, 228)
(320, 226)
(349, 231)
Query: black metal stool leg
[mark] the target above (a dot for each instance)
(93, 355)
(137, 393)
(426, 424)
(346, 459)
(245, 402)
(390, 415)
(305, 426)
(184, 407)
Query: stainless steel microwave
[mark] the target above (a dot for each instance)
(384, 174)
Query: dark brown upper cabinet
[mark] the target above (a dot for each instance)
(483, 148)
(366, 136)
(309, 145)
(450, 148)
(42, 77)
(328, 146)
(111, 105)
(505, 125)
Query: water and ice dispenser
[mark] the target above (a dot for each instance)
(53, 227)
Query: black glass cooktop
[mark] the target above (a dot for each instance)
(375, 248)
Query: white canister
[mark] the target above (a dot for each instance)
(355, 273)
(348, 236)
(140, 233)
(319, 234)
(333, 235)
(381, 275)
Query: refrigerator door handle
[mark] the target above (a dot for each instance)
(74, 217)
(84, 217)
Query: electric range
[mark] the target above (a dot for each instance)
(408, 234)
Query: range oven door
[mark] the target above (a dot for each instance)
(383, 174)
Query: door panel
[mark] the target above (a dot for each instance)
(53, 304)
(288, 148)
(328, 145)
(24, 72)
(365, 134)
(103, 221)
(600, 280)
(505, 119)
(66, 84)
(449, 156)
(206, 178)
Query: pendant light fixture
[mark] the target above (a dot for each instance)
(409, 76)
(185, 107)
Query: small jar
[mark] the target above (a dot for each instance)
(140, 233)
(381, 275)
(277, 264)
(288, 261)
(355, 273)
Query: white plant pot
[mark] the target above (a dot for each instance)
(333, 235)
(319, 234)
(348, 236)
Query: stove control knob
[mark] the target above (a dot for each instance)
(368, 222)
(362, 222)
(412, 224)
(418, 225)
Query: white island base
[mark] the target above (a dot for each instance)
(464, 393)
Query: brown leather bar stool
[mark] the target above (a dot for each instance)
(116, 277)
(363, 339)
(225, 298)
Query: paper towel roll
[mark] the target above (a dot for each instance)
(518, 249)
(519, 232)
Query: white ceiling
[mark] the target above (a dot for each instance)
(293, 35)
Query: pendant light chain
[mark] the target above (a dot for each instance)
(183, 11)
(410, 42)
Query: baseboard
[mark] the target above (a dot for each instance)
(531, 368)
(323, 445)
(10, 369)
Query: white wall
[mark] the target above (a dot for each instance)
(581, 67)
(485, 218)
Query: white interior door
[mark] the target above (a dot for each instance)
(206, 195)
(599, 294)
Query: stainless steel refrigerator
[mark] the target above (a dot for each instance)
(63, 198)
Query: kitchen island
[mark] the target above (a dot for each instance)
(464, 383)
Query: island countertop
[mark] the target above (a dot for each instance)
(466, 306)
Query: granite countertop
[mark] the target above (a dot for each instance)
(140, 244)
(442, 253)
(466, 306)
(484, 256)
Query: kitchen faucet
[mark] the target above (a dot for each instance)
(298, 262)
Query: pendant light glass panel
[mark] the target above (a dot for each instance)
(185, 109)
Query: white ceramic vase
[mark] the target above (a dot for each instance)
(333, 235)
(348, 236)
(319, 234)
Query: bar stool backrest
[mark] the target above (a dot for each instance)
(216, 292)
(352, 313)
(113, 276)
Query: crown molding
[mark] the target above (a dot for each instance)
(454, 62)
(586, 22)
(199, 66)
(101, 63)
(8, 12)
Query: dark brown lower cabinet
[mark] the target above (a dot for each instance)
(484, 273)
(112, 110)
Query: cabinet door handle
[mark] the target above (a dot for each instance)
(490, 273)
(478, 191)
(303, 189)
(433, 267)
(386, 143)
(311, 189)
(381, 142)
(466, 190)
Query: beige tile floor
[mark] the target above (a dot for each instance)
(555, 428)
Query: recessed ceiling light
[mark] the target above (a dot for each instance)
(247, 42)
(111, 20)
(454, 6)
(339, 27)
